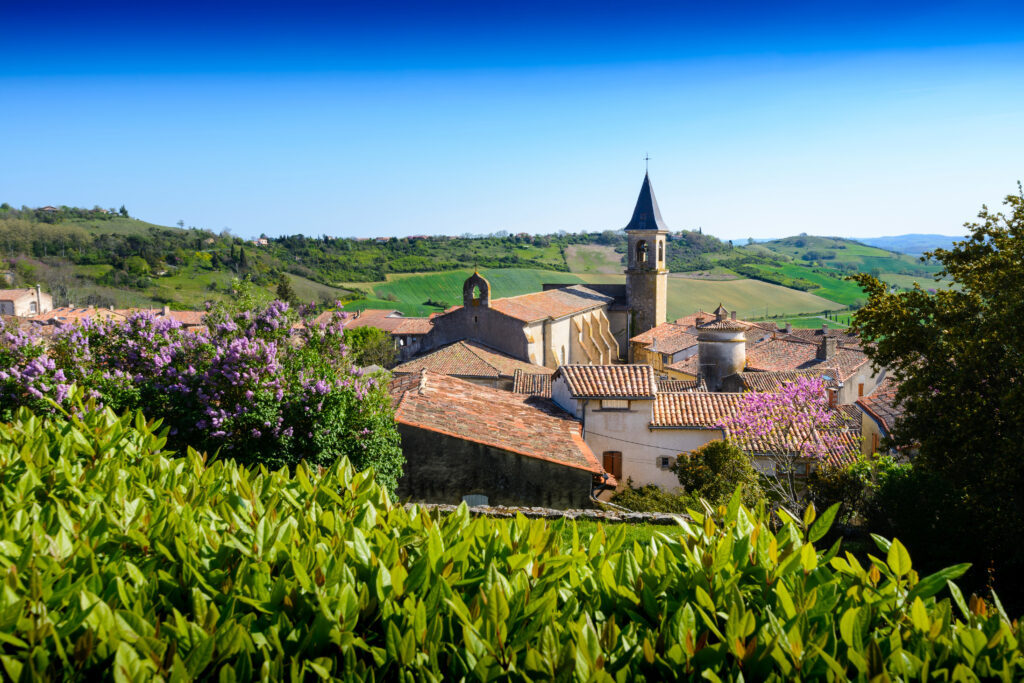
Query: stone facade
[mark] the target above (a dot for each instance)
(443, 469)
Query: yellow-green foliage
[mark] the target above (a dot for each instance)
(121, 561)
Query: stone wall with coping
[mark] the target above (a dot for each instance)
(604, 516)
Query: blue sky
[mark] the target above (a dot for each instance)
(346, 119)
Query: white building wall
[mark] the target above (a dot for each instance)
(629, 432)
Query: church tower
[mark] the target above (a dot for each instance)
(646, 274)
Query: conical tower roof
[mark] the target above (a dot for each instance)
(646, 215)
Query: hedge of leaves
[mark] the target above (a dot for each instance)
(121, 561)
(269, 386)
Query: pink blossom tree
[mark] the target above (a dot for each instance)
(794, 428)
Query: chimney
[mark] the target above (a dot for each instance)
(167, 310)
(39, 299)
(789, 328)
(824, 328)
(832, 397)
(734, 315)
(699, 320)
(827, 348)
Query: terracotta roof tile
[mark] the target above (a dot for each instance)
(552, 303)
(534, 384)
(881, 404)
(679, 385)
(68, 314)
(671, 338)
(792, 354)
(765, 382)
(16, 294)
(814, 335)
(609, 381)
(531, 426)
(414, 326)
(387, 320)
(706, 410)
(469, 359)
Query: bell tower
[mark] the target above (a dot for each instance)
(646, 273)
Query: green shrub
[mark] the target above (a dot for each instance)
(122, 562)
(651, 498)
(714, 470)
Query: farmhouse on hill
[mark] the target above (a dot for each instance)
(25, 302)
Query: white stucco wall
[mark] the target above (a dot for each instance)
(629, 432)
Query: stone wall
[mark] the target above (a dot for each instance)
(441, 468)
(603, 516)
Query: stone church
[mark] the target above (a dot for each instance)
(569, 324)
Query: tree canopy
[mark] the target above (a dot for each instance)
(958, 356)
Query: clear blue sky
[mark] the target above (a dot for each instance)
(377, 118)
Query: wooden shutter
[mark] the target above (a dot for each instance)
(613, 463)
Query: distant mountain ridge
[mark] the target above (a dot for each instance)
(913, 244)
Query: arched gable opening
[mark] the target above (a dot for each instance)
(476, 291)
(641, 252)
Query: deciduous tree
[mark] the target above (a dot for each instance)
(959, 355)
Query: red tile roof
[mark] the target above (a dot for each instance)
(609, 381)
(814, 335)
(414, 326)
(881, 404)
(791, 354)
(671, 338)
(706, 410)
(16, 294)
(469, 359)
(764, 382)
(68, 314)
(374, 317)
(526, 425)
(534, 384)
(678, 385)
(552, 303)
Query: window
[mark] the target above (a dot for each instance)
(32, 307)
(665, 462)
(614, 404)
(860, 389)
(613, 463)
(874, 443)
(661, 252)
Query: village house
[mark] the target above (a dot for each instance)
(638, 429)
(881, 412)
(25, 302)
(474, 363)
(463, 441)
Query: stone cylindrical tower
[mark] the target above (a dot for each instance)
(721, 351)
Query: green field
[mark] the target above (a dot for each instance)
(308, 290)
(749, 298)
(593, 258)
(409, 292)
(117, 226)
(811, 322)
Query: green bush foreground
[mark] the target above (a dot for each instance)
(121, 561)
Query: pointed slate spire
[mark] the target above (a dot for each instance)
(646, 215)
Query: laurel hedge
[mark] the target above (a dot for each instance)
(121, 560)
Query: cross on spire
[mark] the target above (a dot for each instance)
(647, 157)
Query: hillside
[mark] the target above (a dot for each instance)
(101, 257)
(914, 244)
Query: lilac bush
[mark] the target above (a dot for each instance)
(271, 386)
(793, 428)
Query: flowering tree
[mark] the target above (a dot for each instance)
(793, 428)
(272, 386)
